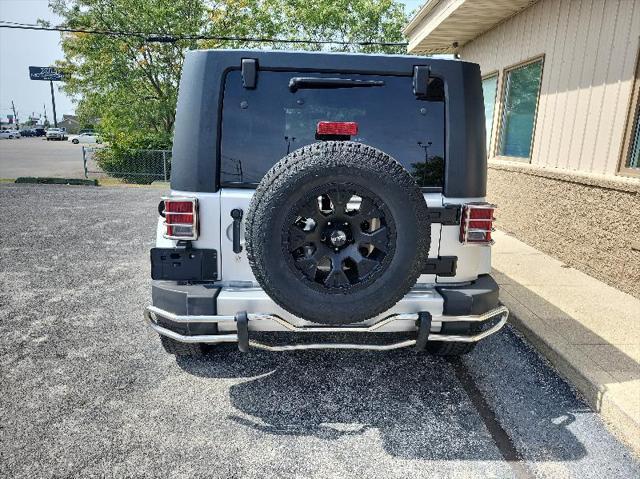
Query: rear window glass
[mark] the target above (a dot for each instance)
(261, 126)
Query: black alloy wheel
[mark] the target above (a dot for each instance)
(340, 237)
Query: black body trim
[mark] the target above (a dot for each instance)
(441, 266)
(477, 297)
(184, 264)
(195, 163)
(474, 298)
(447, 215)
(187, 299)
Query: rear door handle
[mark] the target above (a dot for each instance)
(236, 214)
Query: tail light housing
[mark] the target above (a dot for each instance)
(180, 217)
(476, 224)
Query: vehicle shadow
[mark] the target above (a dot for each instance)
(413, 402)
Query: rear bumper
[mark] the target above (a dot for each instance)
(273, 323)
(210, 314)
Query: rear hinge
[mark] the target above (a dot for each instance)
(447, 215)
(420, 80)
(441, 266)
(249, 73)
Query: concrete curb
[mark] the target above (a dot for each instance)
(585, 374)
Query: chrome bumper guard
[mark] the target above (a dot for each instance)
(151, 313)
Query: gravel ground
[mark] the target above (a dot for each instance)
(87, 391)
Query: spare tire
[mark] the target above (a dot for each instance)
(337, 232)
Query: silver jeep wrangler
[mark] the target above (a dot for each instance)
(326, 201)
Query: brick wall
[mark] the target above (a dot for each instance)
(590, 223)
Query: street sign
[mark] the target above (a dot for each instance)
(49, 74)
(45, 73)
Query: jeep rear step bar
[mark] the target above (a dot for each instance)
(242, 320)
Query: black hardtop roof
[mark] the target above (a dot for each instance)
(196, 148)
(331, 61)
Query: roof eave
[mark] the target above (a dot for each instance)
(419, 16)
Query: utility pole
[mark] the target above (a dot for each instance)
(289, 140)
(53, 102)
(15, 115)
(425, 147)
(45, 114)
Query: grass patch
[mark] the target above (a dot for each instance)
(56, 181)
(119, 182)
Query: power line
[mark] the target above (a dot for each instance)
(21, 23)
(160, 37)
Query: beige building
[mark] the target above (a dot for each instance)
(561, 86)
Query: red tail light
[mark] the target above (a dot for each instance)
(180, 218)
(476, 225)
(342, 128)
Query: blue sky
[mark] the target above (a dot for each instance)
(21, 48)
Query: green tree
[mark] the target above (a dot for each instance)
(128, 83)
(131, 84)
(429, 173)
(354, 21)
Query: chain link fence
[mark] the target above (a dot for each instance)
(130, 166)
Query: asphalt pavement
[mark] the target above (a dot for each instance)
(34, 156)
(86, 389)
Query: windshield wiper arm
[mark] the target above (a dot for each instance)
(298, 83)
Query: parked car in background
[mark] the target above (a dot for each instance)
(88, 137)
(28, 132)
(56, 134)
(40, 132)
(11, 134)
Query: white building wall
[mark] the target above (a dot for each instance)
(590, 50)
